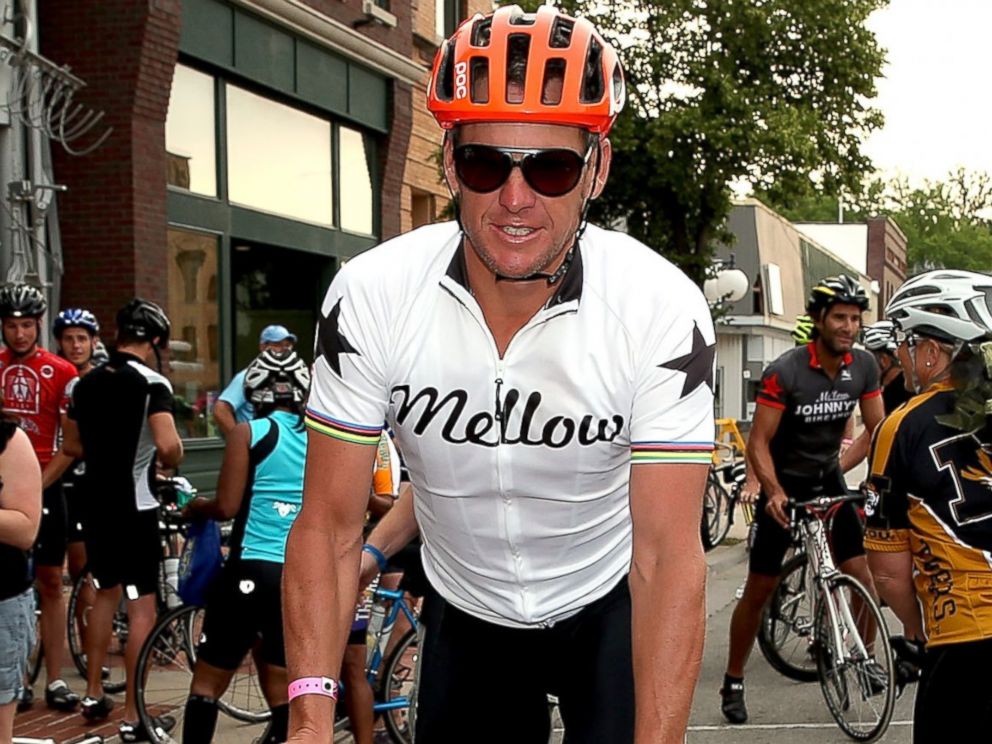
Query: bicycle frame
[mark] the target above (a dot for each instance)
(381, 636)
(813, 533)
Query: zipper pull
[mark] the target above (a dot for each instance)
(499, 404)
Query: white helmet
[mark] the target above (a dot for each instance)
(880, 336)
(947, 304)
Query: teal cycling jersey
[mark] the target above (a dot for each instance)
(274, 492)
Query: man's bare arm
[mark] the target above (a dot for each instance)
(320, 579)
(668, 597)
(766, 423)
(224, 417)
(392, 534)
(872, 412)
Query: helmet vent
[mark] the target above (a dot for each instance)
(561, 33)
(479, 84)
(444, 87)
(592, 82)
(482, 32)
(617, 84)
(554, 81)
(518, 49)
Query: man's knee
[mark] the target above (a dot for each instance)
(757, 591)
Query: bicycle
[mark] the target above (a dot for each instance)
(723, 494)
(394, 677)
(831, 627)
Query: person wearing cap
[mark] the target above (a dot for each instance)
(550, 384)
(232, 408)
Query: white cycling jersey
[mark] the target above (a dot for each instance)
(520, 465)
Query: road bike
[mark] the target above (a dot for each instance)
(825, 625)
(723, 493)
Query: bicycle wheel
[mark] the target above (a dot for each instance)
(77, 618)
(785, 635)
(399, 688)
(716, 513)
(165, 670)
(854, 660)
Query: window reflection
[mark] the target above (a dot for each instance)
(194, 363)
(279, 158)
(190, 133)
(356, 182)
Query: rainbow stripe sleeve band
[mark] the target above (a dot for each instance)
(674, 452)
(343, 430)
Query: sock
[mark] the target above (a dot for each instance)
(728, 681)
(200, 720)
(279, 727)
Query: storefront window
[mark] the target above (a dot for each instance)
(275, 285)
(194, 310)
(356, 182)
(279, 158)
(190, 133)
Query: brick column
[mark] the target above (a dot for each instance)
(113, 216)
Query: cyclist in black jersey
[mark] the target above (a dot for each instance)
(120, 419)
(805, 399)
(929, 532)
(20, 515)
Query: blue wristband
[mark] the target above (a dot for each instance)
(380, 558)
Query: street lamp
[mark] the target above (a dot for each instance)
(727, 284)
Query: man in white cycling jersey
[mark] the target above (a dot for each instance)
(550, 386)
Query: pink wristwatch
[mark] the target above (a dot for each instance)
(313, 686)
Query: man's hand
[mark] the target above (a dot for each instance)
(775, 508)
(369, 570)
(750, 490)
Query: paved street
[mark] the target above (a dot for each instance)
(781, 711)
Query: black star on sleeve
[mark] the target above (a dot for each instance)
(697, 364)
(331, 343)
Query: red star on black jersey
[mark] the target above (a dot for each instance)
(770, 387)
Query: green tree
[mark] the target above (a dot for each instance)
(947, 223)
(772, 92)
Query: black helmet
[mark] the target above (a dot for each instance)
(277, 377)
(836, 290)
(144, 320)
(22, 301)
(75, 317)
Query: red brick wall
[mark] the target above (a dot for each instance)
(113, 217)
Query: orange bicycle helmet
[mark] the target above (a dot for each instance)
(544, 67)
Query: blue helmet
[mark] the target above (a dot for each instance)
(75, 317)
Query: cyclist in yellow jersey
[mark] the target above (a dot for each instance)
(929, 532)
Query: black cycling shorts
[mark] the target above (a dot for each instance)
(74, 509)
(244, 607)
(49, 547)
(584, 660)
(954, 698)
(124, 550)
(771, 541)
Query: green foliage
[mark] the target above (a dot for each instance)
(772, 92)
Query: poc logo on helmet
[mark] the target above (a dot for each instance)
(461, 80)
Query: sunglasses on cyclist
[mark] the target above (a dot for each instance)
(550, 172)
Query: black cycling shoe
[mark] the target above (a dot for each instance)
(733, 707)
(26, 700)
(96, 709)
(60, 697)
(136, 731)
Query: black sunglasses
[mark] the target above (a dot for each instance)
(550, 172)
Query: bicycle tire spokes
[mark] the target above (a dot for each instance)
(854, 661)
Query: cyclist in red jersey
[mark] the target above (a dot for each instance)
(35, 386)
